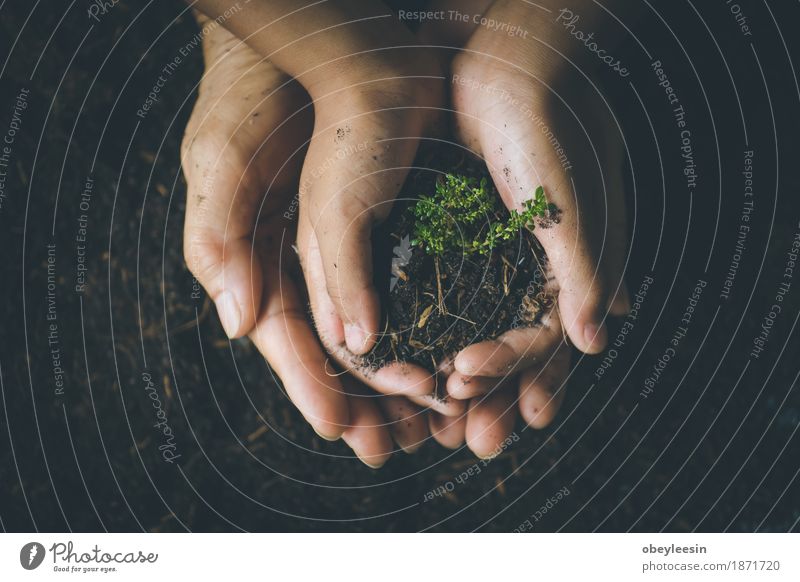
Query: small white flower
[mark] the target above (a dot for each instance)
(402, 255)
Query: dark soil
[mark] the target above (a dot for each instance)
(438, 305)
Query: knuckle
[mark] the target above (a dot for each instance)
(207, 150)
(202, 256)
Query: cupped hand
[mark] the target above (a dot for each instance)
(373, 91)
(242, 153)
(529, 106)
(364, 142)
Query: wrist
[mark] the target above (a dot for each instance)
(326, 46)
(407, 73)
(550, 37)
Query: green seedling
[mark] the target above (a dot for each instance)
(463, 215)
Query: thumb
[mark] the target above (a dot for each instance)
(578, 243)
(350, 178)
(217, 243)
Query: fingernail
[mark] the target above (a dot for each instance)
(594, 335)
(410, 450)
(371, 465)
(229, 313)
(327, 438)
(355, 337)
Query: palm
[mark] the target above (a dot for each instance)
(533, 131)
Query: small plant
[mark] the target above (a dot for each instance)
(463, 215)
(436, 305)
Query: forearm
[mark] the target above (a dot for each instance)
(329, 44)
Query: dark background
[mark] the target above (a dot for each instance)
(713, 448)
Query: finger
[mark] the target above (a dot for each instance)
(220, 218)
(346, 249)
(520, 157)
(393, 378)
(285, 338)
(542, 389)
(227, 271)
(463, 387)
(351, 175)
(244, 118)
(408, 423)
(329, 324)
(445, 406)
(570, 244)
(448, 430)
(368, 434)
(514, 350)
(489, 421)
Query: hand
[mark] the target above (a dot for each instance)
(517, 102)
(241, 155)
(372, 90)
(365, 139)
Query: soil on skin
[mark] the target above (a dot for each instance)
(435, 306)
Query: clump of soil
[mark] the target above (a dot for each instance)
(437, 305)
